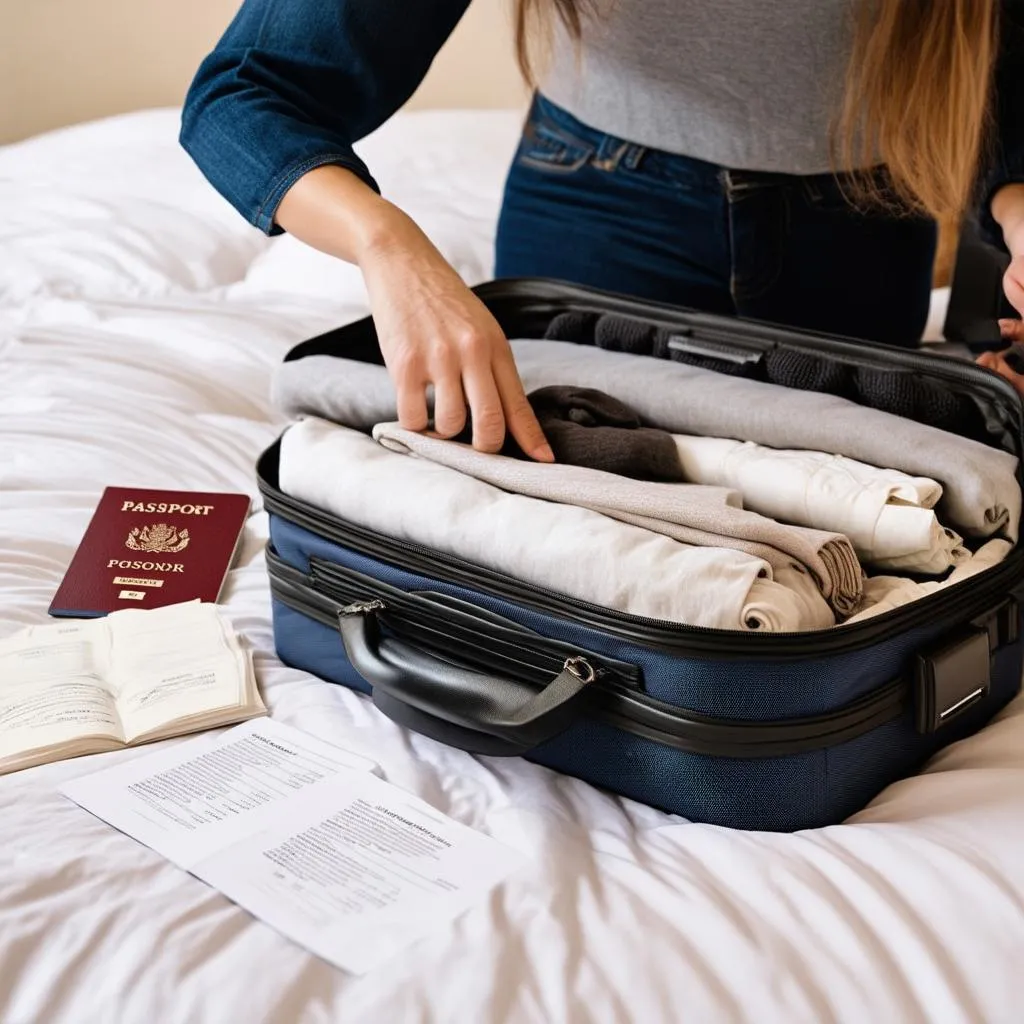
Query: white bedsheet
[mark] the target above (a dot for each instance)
(139, 322)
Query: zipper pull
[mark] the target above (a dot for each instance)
(363, 607)
(580, 668)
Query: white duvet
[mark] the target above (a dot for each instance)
(139, 322)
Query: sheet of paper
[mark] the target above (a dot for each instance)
(336, 859)
(357, 870)
(199, 796)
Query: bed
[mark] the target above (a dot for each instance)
(140, 320)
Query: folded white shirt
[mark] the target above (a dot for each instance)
(564, 548)
(888, 515)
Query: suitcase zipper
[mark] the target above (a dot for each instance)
(676, 637)
(613, 700)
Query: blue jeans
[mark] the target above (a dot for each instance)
(595, 210)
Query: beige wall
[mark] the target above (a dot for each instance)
(63, 61)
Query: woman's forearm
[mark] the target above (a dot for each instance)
(336, 212)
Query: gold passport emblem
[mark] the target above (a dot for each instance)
(158, 538)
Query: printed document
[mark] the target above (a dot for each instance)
(304, 836)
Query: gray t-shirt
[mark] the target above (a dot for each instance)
(747, 84)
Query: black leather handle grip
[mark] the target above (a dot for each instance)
(490, 714)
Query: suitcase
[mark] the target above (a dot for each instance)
(757, 731)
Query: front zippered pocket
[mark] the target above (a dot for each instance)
(617, 697)
(466, 631)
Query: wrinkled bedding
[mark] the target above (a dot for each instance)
(140, 320)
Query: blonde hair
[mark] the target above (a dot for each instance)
(916, 96)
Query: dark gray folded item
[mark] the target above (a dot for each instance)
(900, 392)
(626, 334)
(981, 495)
(589, 428)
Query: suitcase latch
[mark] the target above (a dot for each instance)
(709, 348)
(952, 678)
(1002, 624)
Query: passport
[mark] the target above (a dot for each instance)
(147, 549)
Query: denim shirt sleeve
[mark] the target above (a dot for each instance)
(1005, 165)
(292, 84)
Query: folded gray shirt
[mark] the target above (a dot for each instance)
(981, 495)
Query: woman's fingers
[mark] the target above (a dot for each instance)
(1011, 330)
(449, 403)
(995, 361)
(434, 331)
(484, 404)
(519, 415)
(411, 392)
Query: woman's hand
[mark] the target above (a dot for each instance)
(1008, 211)
(433, 331)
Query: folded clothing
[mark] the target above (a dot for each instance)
(899, 392)
(584, 555)
(347, 391)
(884, 593)
(690, 513)
(586, 427)
(981, 496)
(909, 539)
(888, 516)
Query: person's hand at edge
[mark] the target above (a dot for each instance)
(1008, 212)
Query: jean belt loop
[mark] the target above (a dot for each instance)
(609, 153)
(634, 154)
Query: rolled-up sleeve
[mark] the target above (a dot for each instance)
(293, 84)
(1005, 164)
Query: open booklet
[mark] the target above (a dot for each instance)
(135, 676)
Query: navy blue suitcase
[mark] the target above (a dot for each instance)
(775, 731)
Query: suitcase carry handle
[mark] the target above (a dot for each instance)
(482, 708)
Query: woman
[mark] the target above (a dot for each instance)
(770, 158)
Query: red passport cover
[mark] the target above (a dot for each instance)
(146, 549)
